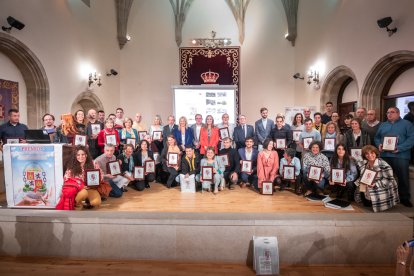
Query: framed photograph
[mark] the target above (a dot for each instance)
(296, 134)
(368, 177)
(130, 141)
(141, 135)
(187, 184)
(315, 173)
(288, 172)
(246, 166)
(329, 144)
(92, 177)
(157, 135)
(306, 142)
(224, 133)
(224, 159)
(139, 173)
(207, 173)
(267, 188)
(172, 159)
(79, 140)
(114, 168)
(338, 176)
(110, 139)
(356, 153)
(149, 166)
(280, 144)
(12, 140)
(389, 143)
(96, 128)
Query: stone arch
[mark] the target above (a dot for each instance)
(34, 76)
(381, 76)
(85, 101)
(334, 84)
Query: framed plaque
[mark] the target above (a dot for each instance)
(131, 141)
(288, 172)
(96, 128)
(79, 140)
(187, 184)
(280, 144)
(315, 173)
(114, 168)
(368, 177)
(157, 135)
(389, 143)
(224, 159)
(92, 177)
(139, 173)
(267, 188)
(338, 176)
(149, 166)
(307, 141)
(110, 139)
(329, 144)
(207, 173)
(246, 166)
(172, 159)
(296, 134)
(157, 157)
(141, 135)
(224, 133)
(12, 140)
(356, 153)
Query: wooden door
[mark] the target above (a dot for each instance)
(344, 109)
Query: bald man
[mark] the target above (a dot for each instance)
(138, 124)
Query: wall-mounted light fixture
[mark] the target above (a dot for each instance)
(94, 78)
(384, 23)
(298, 76)
(313, 77)
(212, 42)
(14, 23)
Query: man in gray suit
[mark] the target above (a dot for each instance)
(263, 127)
(241, 132)
(169, 129)
(196, 131)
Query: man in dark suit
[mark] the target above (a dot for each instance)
(169, 129)
(196, 131)
(241, 132)
(248, 153)
(263, 127)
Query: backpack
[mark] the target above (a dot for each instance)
(70, 189)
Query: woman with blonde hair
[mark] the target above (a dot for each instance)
(183, 134)
(209, 136)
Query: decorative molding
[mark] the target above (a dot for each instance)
(87, 96)
(180, 9)
(123, 7)
(291, 11)
(238, 8)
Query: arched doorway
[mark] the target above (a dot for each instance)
(85, 101)
(34, 76)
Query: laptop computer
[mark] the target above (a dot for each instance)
(37, 136)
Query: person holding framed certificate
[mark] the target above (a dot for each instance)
(93, 128)
(248, 153)
(183, 134)
(210, 160)
(169, 166)
(282, 136)
(356, 137)
(141, 156)
(297, 128)
(291, 175)
(226, 129)
(108, 130)
(376, 185)
(267, 163)
(190, 165)
(231, 171)
(330, 138)
(127, 132)
(309, 132)
(314, 158)
(209, 136)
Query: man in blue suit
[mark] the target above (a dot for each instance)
(169, 129)
(248, 153)
(263, 127)
(241, 132)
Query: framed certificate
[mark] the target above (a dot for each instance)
(306, 142)
(246, 166)
(79, 140)
(96, 128)
(224, 133)
(130, 141)
(267, 188)
(389, 143)
(187, 184)
(368, 177)
(157, 157)
(338, 176)
(172, 159)
(295, 134)
(141, 135)
(149, 166)
(110, 139)
(356, 153)
(114, 168)
(224, 159)
(315, 173)
(139, 173)
(280, 144)
(92, 177)
(156, 135)
(329, 144)
(288, 172)
(207, 173)
(12, 140)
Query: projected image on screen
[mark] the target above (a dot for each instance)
(205, 100)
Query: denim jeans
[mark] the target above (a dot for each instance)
(116, 191)
(400, 168)
(312, 185)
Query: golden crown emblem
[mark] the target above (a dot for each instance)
(210, 77)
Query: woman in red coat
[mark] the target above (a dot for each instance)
(209, 136)
(267, 163)
(108, 130)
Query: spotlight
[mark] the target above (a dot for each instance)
(14, 23)
(298, 76)
(113, 72)
(384, 23)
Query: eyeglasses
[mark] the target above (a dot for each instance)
(390, 112)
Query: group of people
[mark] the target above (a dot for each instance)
(241, 154)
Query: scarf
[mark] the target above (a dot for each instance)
(192, 166)
(124, 133)
(131, 162)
